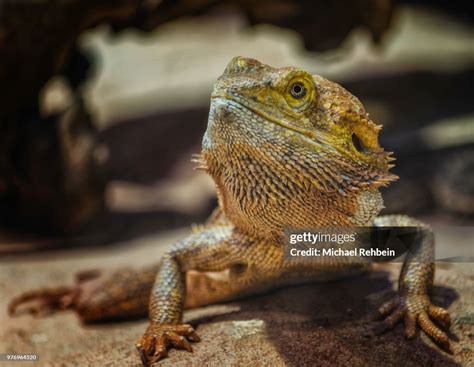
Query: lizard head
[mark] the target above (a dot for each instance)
(295, 124)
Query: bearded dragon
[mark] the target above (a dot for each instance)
(285, 149)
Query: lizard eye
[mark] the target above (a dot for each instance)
(298, 90)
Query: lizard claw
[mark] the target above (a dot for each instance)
(154, 344)
(416, 309)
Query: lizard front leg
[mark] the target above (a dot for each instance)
(412, 304)
(211, 250)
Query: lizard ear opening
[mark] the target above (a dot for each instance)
(357, 143)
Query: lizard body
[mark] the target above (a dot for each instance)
(285, 149)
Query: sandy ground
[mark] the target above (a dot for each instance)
(321, 324)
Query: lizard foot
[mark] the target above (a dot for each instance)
(44, 301)
(158, 338)
(416, 309)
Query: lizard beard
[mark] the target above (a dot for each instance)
(265, 179)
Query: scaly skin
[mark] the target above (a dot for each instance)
(285, 149)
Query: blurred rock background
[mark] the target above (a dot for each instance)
(417, 82)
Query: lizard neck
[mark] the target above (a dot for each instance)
(263, 200)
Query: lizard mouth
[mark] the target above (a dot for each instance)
(266, 116)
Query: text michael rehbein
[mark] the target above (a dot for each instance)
(308, 237)
(371, 252)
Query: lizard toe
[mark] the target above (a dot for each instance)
(440, 314)
(410, 326)
(438, 336)
(388, 306)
